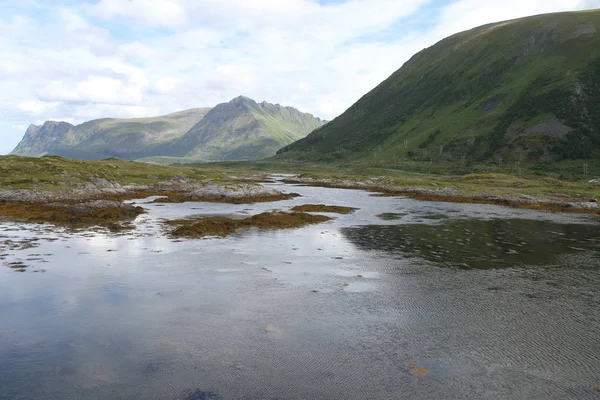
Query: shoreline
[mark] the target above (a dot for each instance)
(451, 195)
(105, 204)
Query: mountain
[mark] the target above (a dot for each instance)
(526, 89)
(108, 137)
(243, 130)
(238, 130)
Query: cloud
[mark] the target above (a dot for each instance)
(588, 4)
(153, 12)
(36, 107)
(76, 61)
(95, 89)
(166, 84)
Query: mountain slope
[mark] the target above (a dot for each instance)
(39, 139)
(102, 138)
(243, 130)
(515, 90)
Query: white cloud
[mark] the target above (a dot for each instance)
(153, 12)
(95, 89)
(133, 58)
(8, 67)
(36, 107)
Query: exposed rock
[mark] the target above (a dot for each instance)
(101, 182)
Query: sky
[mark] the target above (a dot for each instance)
(70, 60)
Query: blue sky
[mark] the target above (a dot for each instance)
(79, 60)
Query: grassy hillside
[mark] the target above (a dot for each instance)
(521, 91)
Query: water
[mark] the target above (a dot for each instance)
(489, 302)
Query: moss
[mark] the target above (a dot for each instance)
(223, 226)
(64, 214)
(324, 208)
(185, 197)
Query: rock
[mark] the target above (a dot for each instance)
(589, 206)
(101, 182)
(212, 191)
(104, 204)
(447, 191)
(528, 199)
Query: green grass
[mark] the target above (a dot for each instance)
(468, 180)
(57, 173)
(60, 174)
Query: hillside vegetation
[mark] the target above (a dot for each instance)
(525, 91)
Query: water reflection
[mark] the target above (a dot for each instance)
(478, 243)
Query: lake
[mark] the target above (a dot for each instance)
(400, 299)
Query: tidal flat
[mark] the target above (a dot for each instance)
(401, 298)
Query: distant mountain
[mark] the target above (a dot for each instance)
(243, 130)
(238, 130)
(108, 137)
(527, 89)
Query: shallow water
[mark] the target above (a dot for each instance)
(483, 301)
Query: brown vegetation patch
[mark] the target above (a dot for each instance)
(185, 197)
(324, 208)
(70, 214)
(223, 226)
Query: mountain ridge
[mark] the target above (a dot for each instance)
(267, 128)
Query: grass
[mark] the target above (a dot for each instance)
(59, 174)
(466, 180)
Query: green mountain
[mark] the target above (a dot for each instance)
(527, 89)
(238, 130)
(242, 129)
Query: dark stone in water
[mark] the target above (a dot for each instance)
(198, 395)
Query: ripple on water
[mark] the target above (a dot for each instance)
(479, 243)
